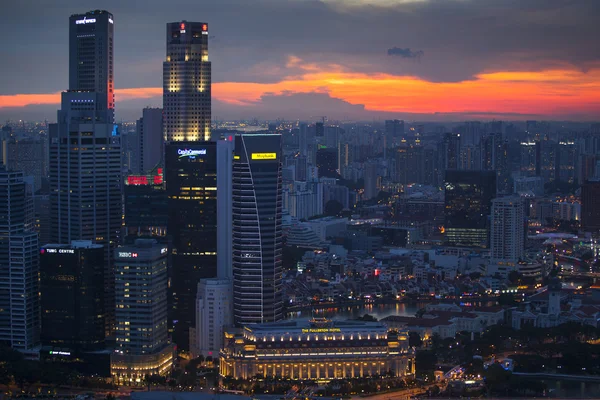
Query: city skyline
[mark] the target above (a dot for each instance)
(406, 59)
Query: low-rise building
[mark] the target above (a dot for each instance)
(318, 349)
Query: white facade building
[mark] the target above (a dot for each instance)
(507, 230)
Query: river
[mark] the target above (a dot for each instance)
(379, 311)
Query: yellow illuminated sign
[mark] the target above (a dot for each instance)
(321, 330)
(264, 156)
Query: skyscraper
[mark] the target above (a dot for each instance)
(257, 232)
(72, 296)
(85, 167)
(19, 267)
(394, 131)
(468, 200)
(191, 184)
(214, 301)
(150, 137)
(590, 206)
(508, 229)
(143, 346)
(187, 82)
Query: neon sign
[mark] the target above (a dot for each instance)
(264, 156)
(87, 21)
(127, 254)
(321, 330)
(60, 353)
(190, 153)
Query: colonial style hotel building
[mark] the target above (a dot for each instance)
(318, 349)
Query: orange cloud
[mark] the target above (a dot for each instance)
(22, 100)
(544, 92)
(560, 91)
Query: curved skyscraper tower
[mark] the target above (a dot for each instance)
(257, 242)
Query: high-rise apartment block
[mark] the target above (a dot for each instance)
(508, 230)
(187, 83)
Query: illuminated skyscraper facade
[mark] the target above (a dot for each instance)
(85, 148)
(187, 83)
(257, 232)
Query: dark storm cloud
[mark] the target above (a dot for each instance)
(405, 53)
(253, 39)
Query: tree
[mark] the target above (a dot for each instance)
(333, 208)
(425, 362)
(496, 377)
(368, 318)
(414, 339)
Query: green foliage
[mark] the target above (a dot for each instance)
(333, 208)
(414, 339)
(426, 362)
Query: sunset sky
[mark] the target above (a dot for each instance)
(346, 59)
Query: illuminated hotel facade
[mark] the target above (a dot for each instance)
(319, 350)
(187, 83)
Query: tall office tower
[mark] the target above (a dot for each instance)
(257, 232)
(508, 230)
(145, 204)
(567, 161)
(394, 132)
(470, 158)
(187, 83)
(191, 184)
(214, 301)
(371, 180)
(19, 267)
(548, 158)
(430, 167)
(320, 129)
(409, 164)
(72, 296)
(142, 341)
(450, 151)
(149, 130)
(27, 155)
(85, 152)
(327, 162)
(590, 206)
(468, 201)
(300, 168)
(303, 138)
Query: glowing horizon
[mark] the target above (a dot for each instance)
(551, 92)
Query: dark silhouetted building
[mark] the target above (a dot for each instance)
(590, 206)
(19, 266)
(327, 162)
(468, 201)
(257, 231)
(394, 132)
(85, 149)
(72, 296)
(191, 184)
(145, 204)
(149, 132)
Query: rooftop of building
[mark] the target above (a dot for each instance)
(316, 323)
